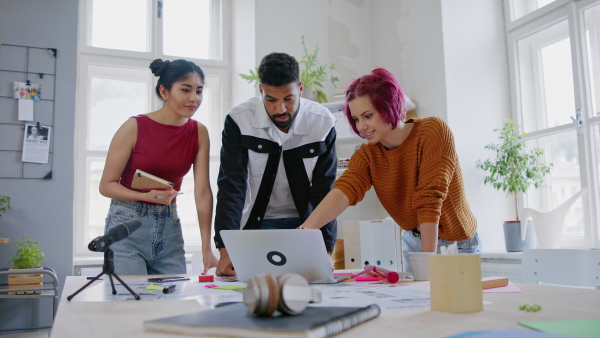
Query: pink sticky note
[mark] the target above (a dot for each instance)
(366, 279)
(510, 288)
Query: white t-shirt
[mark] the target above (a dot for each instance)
(281, 204)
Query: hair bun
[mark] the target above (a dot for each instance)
(158, 66)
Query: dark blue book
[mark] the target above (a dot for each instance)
(235, 321)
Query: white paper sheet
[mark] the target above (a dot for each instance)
(36, 143)
(25, 110)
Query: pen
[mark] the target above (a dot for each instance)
(161, 196)
(94, 277)
(169, 289)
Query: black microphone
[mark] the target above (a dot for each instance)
(115, 234)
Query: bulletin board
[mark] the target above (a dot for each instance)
(25, 64)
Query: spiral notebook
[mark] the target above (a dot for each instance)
(235, 321)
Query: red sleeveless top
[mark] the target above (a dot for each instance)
(162, 150)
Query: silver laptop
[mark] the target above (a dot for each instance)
(279, 251)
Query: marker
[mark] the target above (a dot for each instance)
(169, 289)
(162, 196)
(390, 276)
(93, 278)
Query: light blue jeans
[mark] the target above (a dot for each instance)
(411, 243)
(281, 223)
(156, 247)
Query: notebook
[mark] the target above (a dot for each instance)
(143, 181)
(278, 251)
(235, 321)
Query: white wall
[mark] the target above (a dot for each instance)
(478, 102)
(243, 49)
(407, 39)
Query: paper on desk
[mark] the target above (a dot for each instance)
(101, 291)
(579, 328)
(387, 296)
(210, 297)
(510, 288)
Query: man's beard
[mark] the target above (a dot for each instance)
(284, 124)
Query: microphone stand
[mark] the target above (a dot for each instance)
(107, 269)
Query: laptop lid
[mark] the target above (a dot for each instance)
(279, 251)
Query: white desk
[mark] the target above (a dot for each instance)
(501, 311)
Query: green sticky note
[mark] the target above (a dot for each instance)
(579, 328)
(154, 287)
(229, 287)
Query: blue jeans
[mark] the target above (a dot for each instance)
(156, 247)
(281, 223)
(411, 243)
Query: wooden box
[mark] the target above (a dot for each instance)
(25, 281)
(456, 283)
(338, 255)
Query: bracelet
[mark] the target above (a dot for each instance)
(302, 227)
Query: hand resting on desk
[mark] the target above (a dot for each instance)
(225, 267)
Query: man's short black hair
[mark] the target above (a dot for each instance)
(278, 69)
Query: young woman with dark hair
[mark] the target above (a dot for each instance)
(165, 143)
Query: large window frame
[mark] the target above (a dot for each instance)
(583, 119)
(218, 77)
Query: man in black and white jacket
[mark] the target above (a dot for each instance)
(278, 158)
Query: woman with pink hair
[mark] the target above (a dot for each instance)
(412, 165)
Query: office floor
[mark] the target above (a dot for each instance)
(36, 334)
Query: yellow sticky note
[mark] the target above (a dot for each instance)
(154, 287)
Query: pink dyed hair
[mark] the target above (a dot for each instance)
(385, 93)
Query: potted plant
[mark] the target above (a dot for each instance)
(4, 206)
(312, 74)
(28, 257)
(515, 169)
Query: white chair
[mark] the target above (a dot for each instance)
(574, 267)
(548, 225)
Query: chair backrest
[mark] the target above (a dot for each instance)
(562, 266)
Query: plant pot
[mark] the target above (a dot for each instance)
(512, 236)
(25, 281)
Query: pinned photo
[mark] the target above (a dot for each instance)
(27, 91)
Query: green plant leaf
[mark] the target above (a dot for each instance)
(29, 255)
(516, 167)
(312, 74)
(4, 204)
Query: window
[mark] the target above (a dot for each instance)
(554, 52)
(118, 41)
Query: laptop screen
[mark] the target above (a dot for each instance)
(279, 251)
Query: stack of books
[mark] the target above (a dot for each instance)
(343, 162)
(340, 95)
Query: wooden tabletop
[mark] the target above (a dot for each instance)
(501, 311)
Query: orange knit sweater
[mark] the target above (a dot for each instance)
(418, 182)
